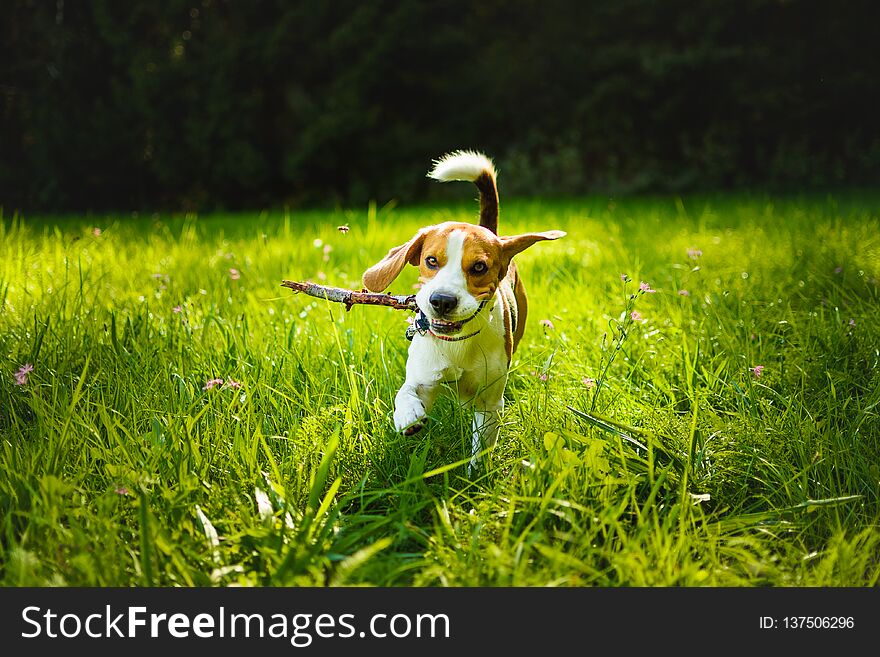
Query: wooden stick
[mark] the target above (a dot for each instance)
(351, 297)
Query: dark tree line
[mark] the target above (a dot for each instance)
(211, 103)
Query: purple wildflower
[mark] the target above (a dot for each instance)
(757, 370)
(838, 270)
(624, 278)
(21, 376)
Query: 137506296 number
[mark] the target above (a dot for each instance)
(818, 622)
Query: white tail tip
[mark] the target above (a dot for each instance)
(462, 165)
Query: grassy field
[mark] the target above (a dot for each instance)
(726, 436)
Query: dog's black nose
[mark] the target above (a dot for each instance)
(443, 303)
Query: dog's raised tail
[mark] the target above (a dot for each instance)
(478, 169)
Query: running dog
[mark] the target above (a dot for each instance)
(472, 306)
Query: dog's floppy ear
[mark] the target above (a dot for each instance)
(380, 276)
(514, 244)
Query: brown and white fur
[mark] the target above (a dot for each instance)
(468, 345)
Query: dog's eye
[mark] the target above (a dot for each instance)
(479, 267)
(431, 262)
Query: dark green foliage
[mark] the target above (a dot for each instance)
(205, 104)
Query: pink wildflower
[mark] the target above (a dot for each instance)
(21, 376)
(851, 322)
(645, 287)
(122, 490)
(233, 384)
(178, 308)
(693, 254)
(590, 383)
(210, 383)
(547, 323)
(234, 274)
(624, 278)
(96, 232)
(636, 316)
(684, 293)
(322, 276)
(838, 270)
(543, 377)
(757, 370)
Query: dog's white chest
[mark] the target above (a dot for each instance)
(451, 373)
(446, 361)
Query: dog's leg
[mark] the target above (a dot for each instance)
(412, 404)
(488, 405)
(415, 397)
(486, 426)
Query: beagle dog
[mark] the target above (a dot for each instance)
(472, 306)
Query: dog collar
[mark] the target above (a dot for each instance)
(422, 325)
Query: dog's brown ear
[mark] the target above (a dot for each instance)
(514, 244)
(378, 277)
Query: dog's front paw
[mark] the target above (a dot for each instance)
(409, 419)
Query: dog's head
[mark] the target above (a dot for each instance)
(459, 264)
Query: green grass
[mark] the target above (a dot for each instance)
(117, 468)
